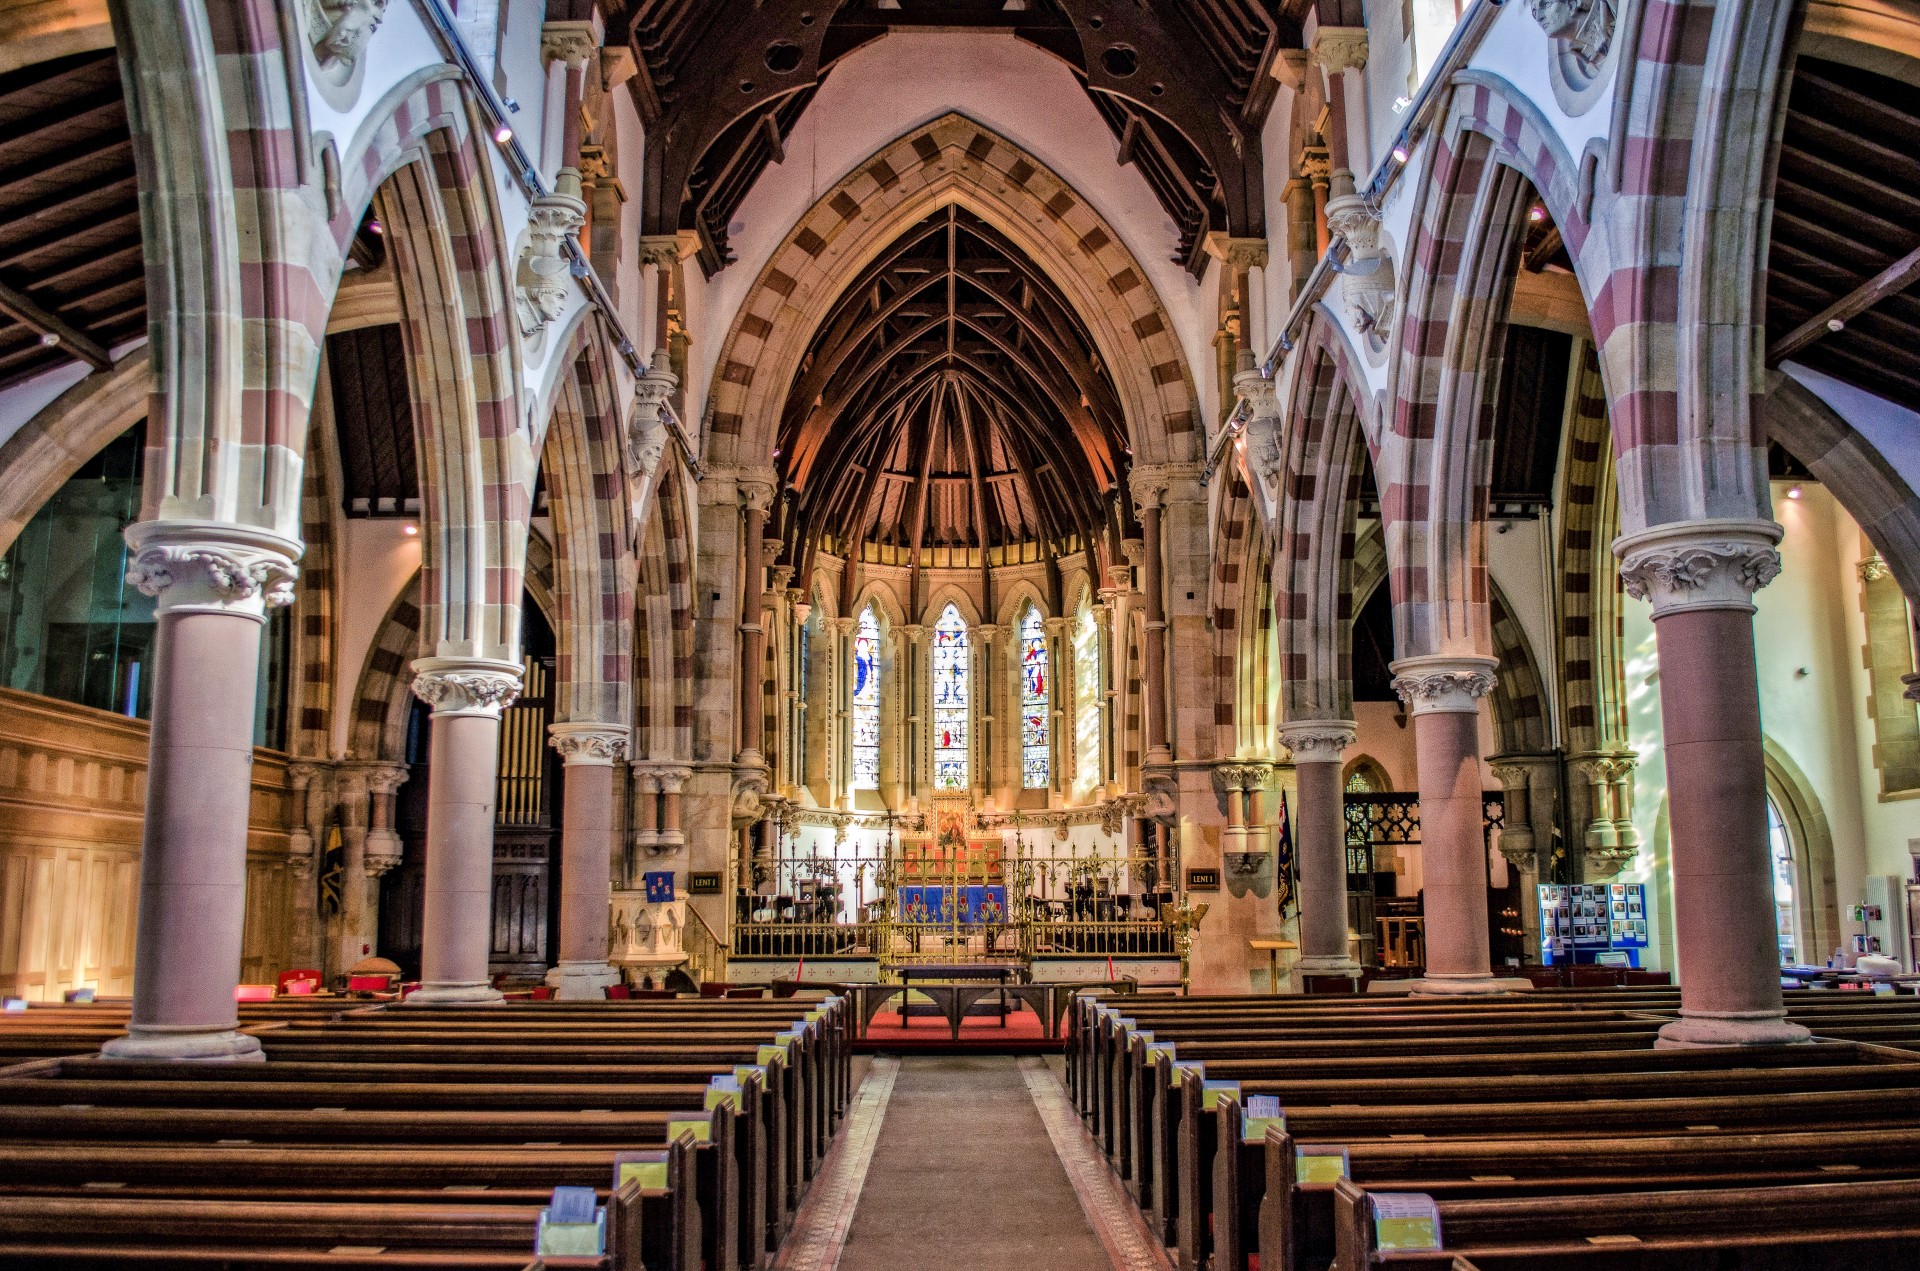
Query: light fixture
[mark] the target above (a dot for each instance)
(502, 135)
(1794, 492)
(410, 529)
(375, 227)
(1399, 154)
(1536, 213)
(1835, 325)
(1400, 104)
(48, 339)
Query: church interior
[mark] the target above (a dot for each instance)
(775, 635)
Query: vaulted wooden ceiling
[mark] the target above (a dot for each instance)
(1845, 245)
(1185, 87)
(951, 399)
(72, 279)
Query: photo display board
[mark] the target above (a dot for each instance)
(1580, 921)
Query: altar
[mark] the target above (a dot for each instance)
(979, 903)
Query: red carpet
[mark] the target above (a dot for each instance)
(1023, 1035)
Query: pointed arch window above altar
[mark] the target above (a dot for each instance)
(1036, 753)
(866, 702)
(952, 697)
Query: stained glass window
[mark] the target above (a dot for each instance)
(866, 703)
(1036, 759)
(950, 699)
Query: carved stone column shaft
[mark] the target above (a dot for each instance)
(1320, 843)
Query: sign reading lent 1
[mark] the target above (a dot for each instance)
(699, 884)
(1203, 880)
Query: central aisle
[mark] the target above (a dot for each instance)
(964, 1176)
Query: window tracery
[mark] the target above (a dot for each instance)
(1036, 753)
(952, 662)
(865, 711)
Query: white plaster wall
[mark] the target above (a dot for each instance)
(1517, 565)
(1893, 430)
(377, 557)
(902, 81)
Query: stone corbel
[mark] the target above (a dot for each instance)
(1367, 283)
(1266, 462)
(340, 31)
(748, 797)
(542, 275)
(1517, 841)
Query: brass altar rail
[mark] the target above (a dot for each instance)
(1101, 938)
(805, 939)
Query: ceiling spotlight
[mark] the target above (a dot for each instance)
(1836, 325)
(1400, 104)
(48, 339)
(375, 227)
(1536, 213)
(1399, 154)
(502, 135)
(410, 529)
(1794, 492)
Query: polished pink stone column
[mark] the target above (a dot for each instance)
(467, 696)
(1700, 577)
(213, 584)
(1320, 844)
(1443, 695)
(586, 857)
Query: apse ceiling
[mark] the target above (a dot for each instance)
(951, 400)
(1185, 87)
(1845, 245)
(72, 281)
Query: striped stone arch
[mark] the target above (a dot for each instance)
(1240, 599)
(663, 634)
(477, 464)
(1682, 202)
(592, 542)
(1330, 424)
(1593, 676)
(1494, 154)
(1519, 705)
(311, 732)
(952, 160)
(381, 701)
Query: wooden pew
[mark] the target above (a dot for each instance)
(1827, 1227)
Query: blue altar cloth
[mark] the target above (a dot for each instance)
(979, 902)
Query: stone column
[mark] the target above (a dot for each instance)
(213, 584)
(755, 498)
(1058, 662)
(1147, 496)
(671, 780)
(303, 859)
(467, 696)
(842, 663)
(1443, 694)
(1320, 843)
(588, 826)
(1700, 577)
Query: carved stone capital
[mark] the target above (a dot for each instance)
(1442, 683)
(1317, 740)
(590, 744)
(211, 567)
(1241, 776)
(541, 277)
(466, 686)
(914, 632)
(1707, 564)
(1339, 48)
(660, 250)
(1873, 569)
(1261, 395)
(571, 42)
(756, 495)
(385, 778)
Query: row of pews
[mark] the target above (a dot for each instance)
(1520, 1133)
(377, 1137)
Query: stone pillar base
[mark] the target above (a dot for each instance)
(1468, 985)
(473, 993)
(184, 1046)
(1692, 1031)
(581, 981)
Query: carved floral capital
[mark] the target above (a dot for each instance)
(1707, 564)
(209, 567)
(1317, 740)
(1441, 684)
(582, 744)
(466, 686)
